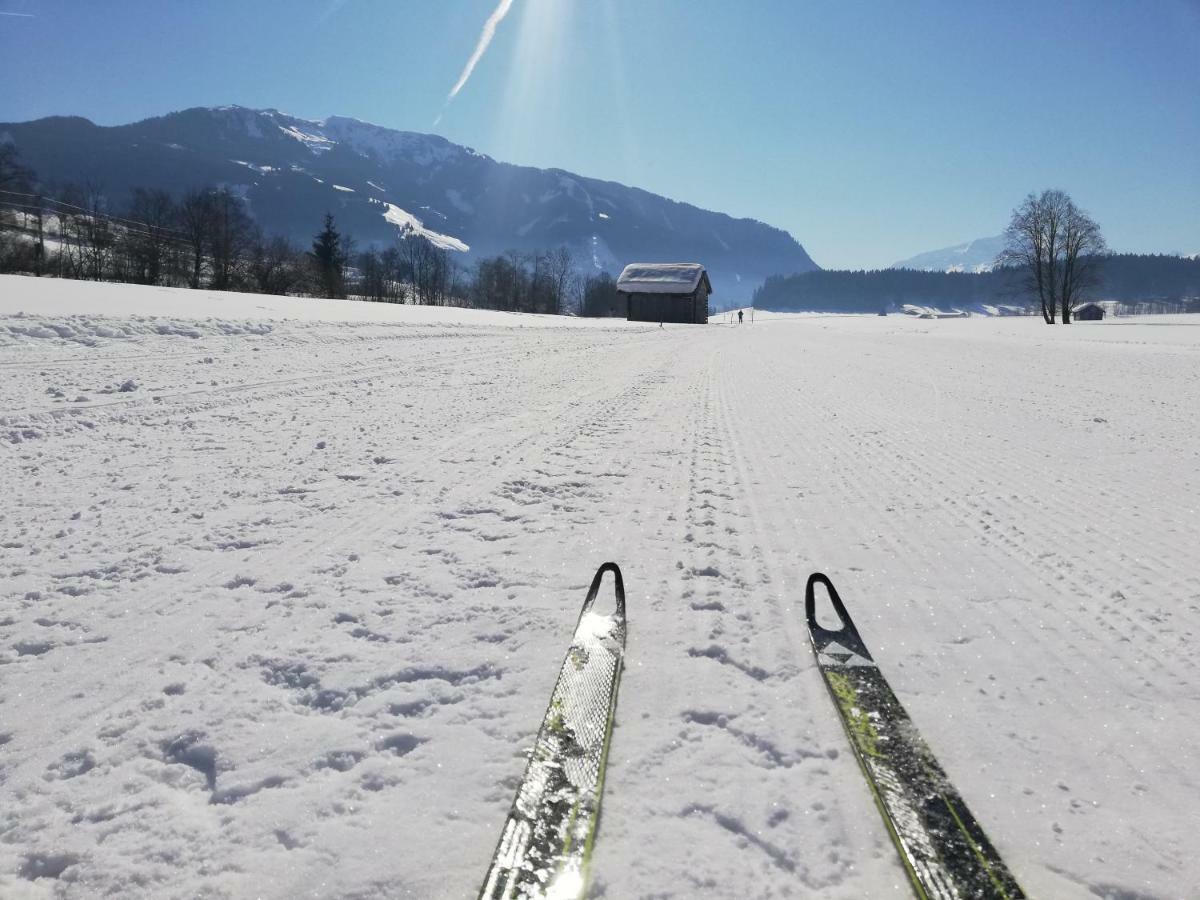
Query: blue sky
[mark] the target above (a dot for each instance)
(870, 131)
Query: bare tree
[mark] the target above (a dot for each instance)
(429, 267)
(275, 264)
(395, 274)
(373, 280)
(1058, 247)
(195, 221)
(150, 235)
(94, 231)
(560, 267)
(231, 236)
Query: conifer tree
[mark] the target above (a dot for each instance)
(329, 259)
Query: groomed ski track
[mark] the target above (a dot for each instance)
(304, 625)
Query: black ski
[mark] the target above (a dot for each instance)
(943, 848)
(546, 844)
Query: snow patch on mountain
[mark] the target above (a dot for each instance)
(410, 224)
(262, 170)
(316, 143)
(385, 144)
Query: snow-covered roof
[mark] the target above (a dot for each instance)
(662, 278)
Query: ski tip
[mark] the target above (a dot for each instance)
(618, 586)
(848, 630)
(810, 598)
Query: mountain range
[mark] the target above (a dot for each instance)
(379, 183)
(978, 255)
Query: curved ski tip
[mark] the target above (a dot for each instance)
(810, 601)
(618, 585)
(810, 594)
(610, 567)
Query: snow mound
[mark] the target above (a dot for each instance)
(92, 330)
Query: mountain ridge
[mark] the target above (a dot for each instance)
(377, 180)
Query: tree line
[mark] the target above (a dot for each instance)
(1131, 279)
(206, 238)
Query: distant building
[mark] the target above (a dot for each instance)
(1089, 312)
(665, 292)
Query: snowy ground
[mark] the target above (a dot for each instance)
(282, 598)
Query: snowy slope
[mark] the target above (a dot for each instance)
(281, 617)
(974, 256)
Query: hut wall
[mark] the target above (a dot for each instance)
(664, 308)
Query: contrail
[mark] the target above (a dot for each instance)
(485, 38)
(19, 15)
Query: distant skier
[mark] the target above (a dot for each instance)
(739, 317)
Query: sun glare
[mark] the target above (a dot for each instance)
(534, 91)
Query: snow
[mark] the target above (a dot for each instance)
(285, 595)
(316, 143)
(407, 222)
(338, 187)
(387, 145)
(660, 278)
(262, 170)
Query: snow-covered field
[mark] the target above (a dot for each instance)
(285, 585)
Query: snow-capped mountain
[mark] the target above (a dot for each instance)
(974, 256)
(377, 181)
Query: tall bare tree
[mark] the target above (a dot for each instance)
(1058, 247)
(150, 235)
(429, 266)
(230, 239)
(196, 222)
(560, 267)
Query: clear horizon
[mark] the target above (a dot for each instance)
(871, 134)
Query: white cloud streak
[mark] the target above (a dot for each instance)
(485, 39)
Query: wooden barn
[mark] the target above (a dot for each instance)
(665, 292)
(1089, 312)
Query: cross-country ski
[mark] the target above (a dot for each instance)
(545, 847)
(944, 850)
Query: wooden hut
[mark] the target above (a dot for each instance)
(1089, 312)
(666, 292)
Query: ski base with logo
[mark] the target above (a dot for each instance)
(546, 843)
(944, 850)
